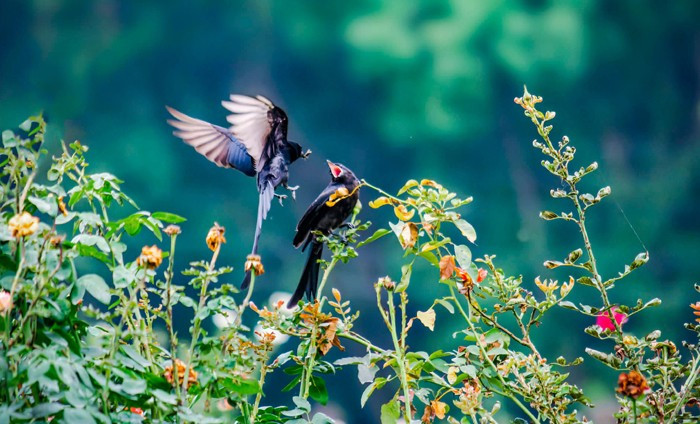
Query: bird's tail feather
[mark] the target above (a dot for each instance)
(264, 202)
(308, 284)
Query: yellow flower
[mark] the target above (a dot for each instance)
(253, 263)
(151, 257)
(23, 225)
(215, 237)
(566, 287)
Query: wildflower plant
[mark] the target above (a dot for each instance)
(82, 346)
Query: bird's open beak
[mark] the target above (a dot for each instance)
(335, 169)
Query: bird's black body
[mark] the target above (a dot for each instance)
(256, 144)
(323, 218)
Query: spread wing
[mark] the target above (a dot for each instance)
(214, 142)
(250, 124)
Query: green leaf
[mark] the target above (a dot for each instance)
(463, 256)
(302, 403)
(49, 207)
(96, 286)
(168, 217)
(377, 235)
(390, 413)
(318, 391)
(72, 415)
(46, 409)
(321, 418)
(406, 271)
(466, 229)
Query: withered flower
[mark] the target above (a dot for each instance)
(56, 240)
(23, 225)
(468, 400)
(62, 206)
(632, 384)
(253, 262)
(169, 375)
(215, 237)
(387, 283)
(151, 257)
(435, 409)
(172, 230)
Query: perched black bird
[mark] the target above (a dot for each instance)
(321, 216)
(255, 144)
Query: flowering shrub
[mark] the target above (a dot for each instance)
(76, 358)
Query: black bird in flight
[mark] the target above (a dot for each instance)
(321, 216)
(255, 144)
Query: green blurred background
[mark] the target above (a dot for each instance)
(394, 90)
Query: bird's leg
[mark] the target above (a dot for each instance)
(281, 197)
(293, 189)
(349, 225)
(306, 154)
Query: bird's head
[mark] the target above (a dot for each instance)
(341, 174)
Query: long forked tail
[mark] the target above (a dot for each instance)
(309, 278)
(264, 202)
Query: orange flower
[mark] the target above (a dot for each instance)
(151, 257)
(696, 310)
(169, 375)
(215, 237)
(481, 275)
(253, 263)
(137, 411)
(23, 225)
(467, 284)
(447, 267)
(632, 384)
(172, 230)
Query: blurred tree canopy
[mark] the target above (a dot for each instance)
(393, 90)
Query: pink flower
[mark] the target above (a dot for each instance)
(605, 323)
(5, 301)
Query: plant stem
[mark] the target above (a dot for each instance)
(482, 349)
(313, 349)
(169, 311)
(198, 323)
(400, 358)
(686, 388)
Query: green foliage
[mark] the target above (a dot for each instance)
(83, 346)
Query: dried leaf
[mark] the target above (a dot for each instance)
(379, 202)
(403, 213)
(447, 267)
(438, 408)
(427, 318)
(408, 235)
